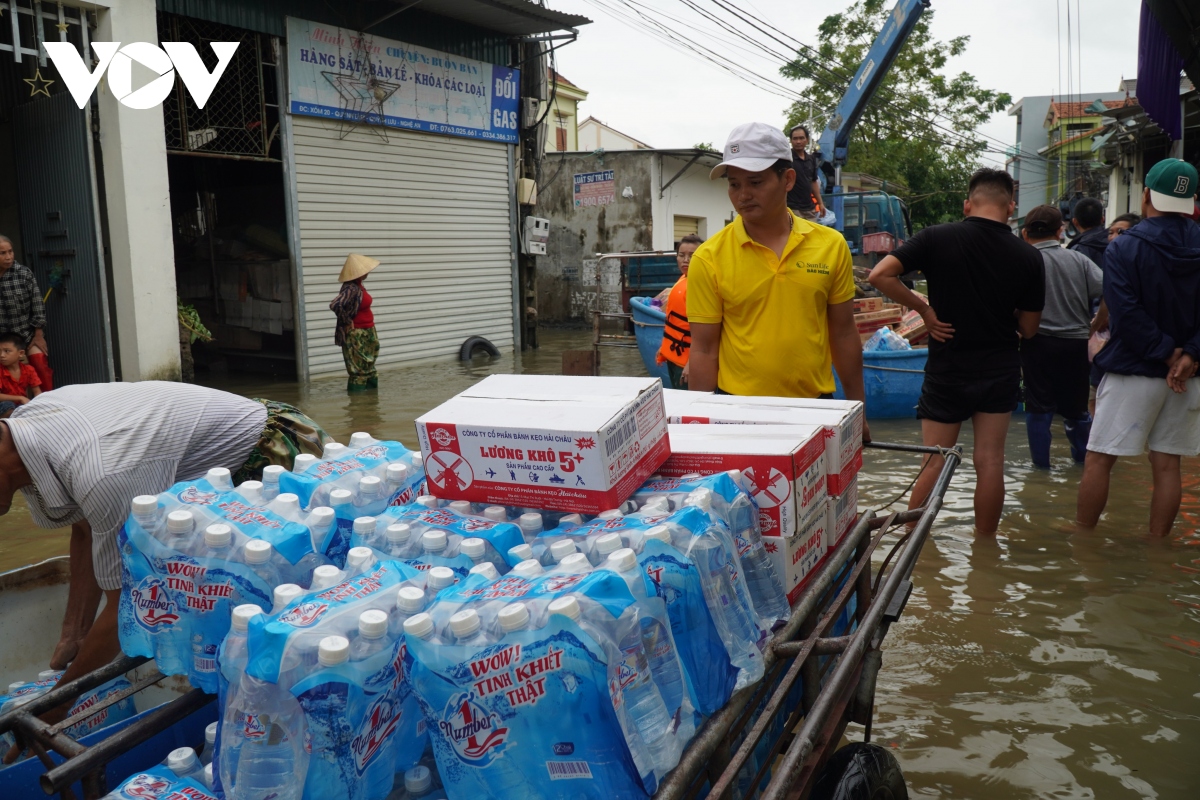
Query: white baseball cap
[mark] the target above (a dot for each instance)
(754, 146)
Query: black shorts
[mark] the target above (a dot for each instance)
(1056, 375)
(956, 397)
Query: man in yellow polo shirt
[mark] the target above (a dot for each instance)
(770, 297)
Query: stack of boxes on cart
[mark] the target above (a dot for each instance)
(550, 597)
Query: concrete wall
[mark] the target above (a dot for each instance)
(578, 234)
(141, 257)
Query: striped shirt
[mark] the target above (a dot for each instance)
(91, 448)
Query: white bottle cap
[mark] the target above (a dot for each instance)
(372, 624)
(660, 503)
(427, 500)
(210, 734)
(496, 513)
(360, 439)
(179, 523)
(417, 780)
(303, 462)
(608, 543)
(369, 486)
(419, 625)
(410, 599)
(333, 450)
(418, 460)
(659, 533)
(15, 685)
(473, 548)
(271, 474)
(570, 519)
(576, 562)
(487, 569)
(521, 552)
(285, 593)
(340, 497)
(220, 478)
(397, 472)
(561, 549)
(182, 760)
(358, 557)
(735, 475)
(320, 518)
(567, 606)
(325, 576)
(628, 507)
(513, 617)
(612, 513)
(333, 650)
(464, 623)
(286, 503)
(529, 568)
(398, 533)
(218, 535)
(258, 551)
(208, 775)
(241, 617)
(144, 505)
(701, 498)
(530, 522)
(433, 541)
(251, 490)
(622, 560)
(461, 507)
(439, 578)
(364, 526)
(46, 674)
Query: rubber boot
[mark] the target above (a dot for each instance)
(41, 365)
(1038, 427)
(1078, 433)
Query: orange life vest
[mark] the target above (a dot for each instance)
(677, 333)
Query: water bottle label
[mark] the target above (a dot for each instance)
(345, 471)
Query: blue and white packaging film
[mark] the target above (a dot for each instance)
(544, 710)
(179, 591)
(121, 710)
(397, 486)
(699, 577)
(338, 725)
(160, 783)
(498, 537)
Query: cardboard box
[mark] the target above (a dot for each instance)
(889, 315)
(840, 515)
(912, 327)
(575, 444)
(865, 304)
(783, 463)
(797, 556)
(842, 420)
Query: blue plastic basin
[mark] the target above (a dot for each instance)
(892, 380)
(648, 323)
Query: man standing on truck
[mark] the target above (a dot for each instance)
(986, 291)
(1147, 398)
(771, 296)
(805, 196)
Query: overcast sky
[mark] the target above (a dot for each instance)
(640, 85)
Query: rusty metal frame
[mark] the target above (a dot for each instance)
(840, 690)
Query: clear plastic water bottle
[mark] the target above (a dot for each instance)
(325, 576)
(474, 549)
(334, 450)
(496, 513)
(360, 559)
(766, 588)
(486, 569)
(286, 505)
(409, 601)
(612, 513)
(734, 620)
(303, 462)
(218, 541)
(320, 524)
(207, 776)
(270, 481)
(284, 594)
(268, 721)
(521, 552)
(658, 504)
(380, 774)
(436, 579)
(433, 543)
(180, 527)
(531, 525)
(420, 625)
(513, 617)
(184, 763)
(220, 479)
(418, 461)
(257, 555)
(656, 639)
(461, 507)
(396, 475)
(576, 564)
(418, 783)
(145, 511)
(561, 549)
(251, 492)
(427, 500)
(604, 546)
(339, 498)
(570, 521)
(361, 439)
(397, 536)
(370, 498)
(529, 568)
(468, 629)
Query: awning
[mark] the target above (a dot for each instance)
(511, 17)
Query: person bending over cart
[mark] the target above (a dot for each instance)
(80, 454)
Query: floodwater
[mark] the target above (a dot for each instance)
(1036, 664)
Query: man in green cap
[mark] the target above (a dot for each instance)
(1148, 398)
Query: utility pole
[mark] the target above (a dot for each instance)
(534, 67)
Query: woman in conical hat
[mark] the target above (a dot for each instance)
(355, 332)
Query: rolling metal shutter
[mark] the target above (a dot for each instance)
(436, 210)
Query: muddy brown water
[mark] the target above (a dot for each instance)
(1037, 664)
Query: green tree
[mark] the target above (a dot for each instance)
(904, 134)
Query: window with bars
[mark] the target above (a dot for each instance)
(241, 117)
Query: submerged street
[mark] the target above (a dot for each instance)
(1037, 664)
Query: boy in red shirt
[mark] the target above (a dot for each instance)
(18, 382)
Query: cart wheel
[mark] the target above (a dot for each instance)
(861, 771)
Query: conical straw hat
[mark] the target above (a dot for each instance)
(356, 266)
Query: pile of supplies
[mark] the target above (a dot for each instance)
(886, 326)
(548, 600)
